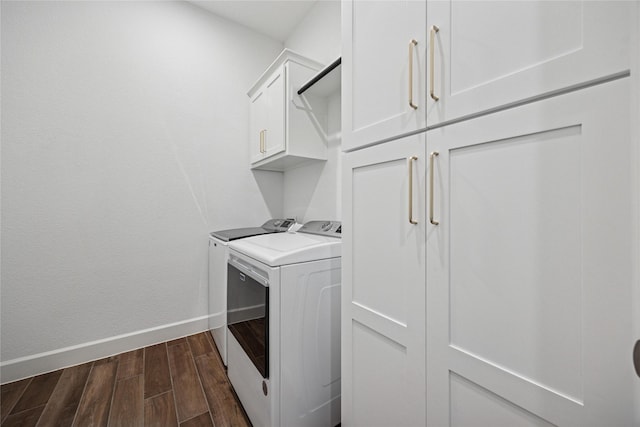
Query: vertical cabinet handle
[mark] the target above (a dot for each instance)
(411, 160)
(262, 138)
(636, 358)
(412, 43)
(431, 157)
(432, 58)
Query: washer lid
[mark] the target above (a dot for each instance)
(271, 226)
(288, 248)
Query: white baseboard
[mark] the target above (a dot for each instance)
(24, 367)
(217, 320)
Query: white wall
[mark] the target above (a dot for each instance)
(124, 128)
(313, 191)
(318, 35)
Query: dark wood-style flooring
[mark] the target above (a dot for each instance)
(176, 383)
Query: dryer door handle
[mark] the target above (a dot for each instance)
(246, 269)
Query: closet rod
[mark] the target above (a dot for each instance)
(320, 75)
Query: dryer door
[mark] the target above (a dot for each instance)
(248, 316)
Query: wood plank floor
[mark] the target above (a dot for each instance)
(176, 383)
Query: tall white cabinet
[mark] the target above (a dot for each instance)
(383, 311)
(530, 270)
(505, 294)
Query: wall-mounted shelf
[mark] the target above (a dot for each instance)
(325, 82)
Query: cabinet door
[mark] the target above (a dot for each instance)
(490, 54)
(530, 271)
(274, 135)
(257, 125)
(376, 65)
(383, 285)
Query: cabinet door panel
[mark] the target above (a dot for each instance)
(274, 136)
(257, 123)
(489, 54)
(383, 295)
(375, 62)
(529, 271)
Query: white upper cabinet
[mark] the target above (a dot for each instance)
(383, 78)
(490, 54)
(286, 129)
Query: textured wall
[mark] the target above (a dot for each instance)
(124, 129)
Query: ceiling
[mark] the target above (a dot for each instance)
(276, 19)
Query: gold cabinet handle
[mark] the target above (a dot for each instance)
(432, 58)
(261, 141)
(262, 138)
(636, 357)
(411, 160)
(412, 43)
(431, 157)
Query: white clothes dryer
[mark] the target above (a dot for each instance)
(218, 255)
(283, 305)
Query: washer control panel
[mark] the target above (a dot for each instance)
(323, 228)
(279, 224)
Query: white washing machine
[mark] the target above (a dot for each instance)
(284, 346)
(218, 255)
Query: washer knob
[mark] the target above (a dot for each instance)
(326, 226)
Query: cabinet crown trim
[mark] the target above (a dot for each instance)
(285, 55)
